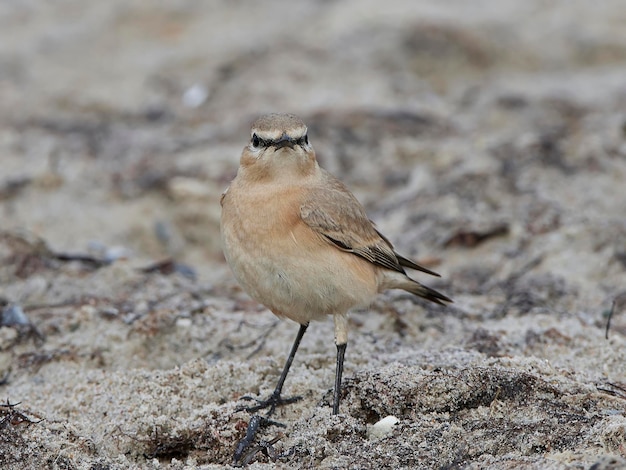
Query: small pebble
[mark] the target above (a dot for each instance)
(382, 428)
(195, 96)
(183, 322)
(13, 315)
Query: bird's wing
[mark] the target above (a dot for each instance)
(335, 214)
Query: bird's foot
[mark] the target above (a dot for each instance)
(273, 402)
(245, 452)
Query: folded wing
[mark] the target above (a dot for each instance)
(338, 216)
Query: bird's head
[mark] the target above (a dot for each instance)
(279, 147)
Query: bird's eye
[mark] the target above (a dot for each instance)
(255, 141)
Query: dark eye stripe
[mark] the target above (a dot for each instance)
(258, 142)
(304, 140)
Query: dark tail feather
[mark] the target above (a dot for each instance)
(427, 293)
(407, 263)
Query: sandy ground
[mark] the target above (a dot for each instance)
(487, 140)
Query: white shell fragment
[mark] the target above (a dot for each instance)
(382, 428)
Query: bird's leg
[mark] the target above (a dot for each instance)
(341, 340)
(275, 399)
(341, 351)
(272, 402)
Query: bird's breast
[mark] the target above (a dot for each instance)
(284, 264)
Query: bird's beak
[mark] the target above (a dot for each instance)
(284, 141)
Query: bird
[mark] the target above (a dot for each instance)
(300, 243)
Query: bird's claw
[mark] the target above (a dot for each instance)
(273, 402)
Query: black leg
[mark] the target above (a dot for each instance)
(272, 402)
(275, 399)
(341, 352)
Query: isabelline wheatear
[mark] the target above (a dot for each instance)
(300, 243)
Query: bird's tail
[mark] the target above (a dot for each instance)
(423, 291)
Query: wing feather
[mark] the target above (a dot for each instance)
(338, 216)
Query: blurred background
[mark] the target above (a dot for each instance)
(121, 122)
